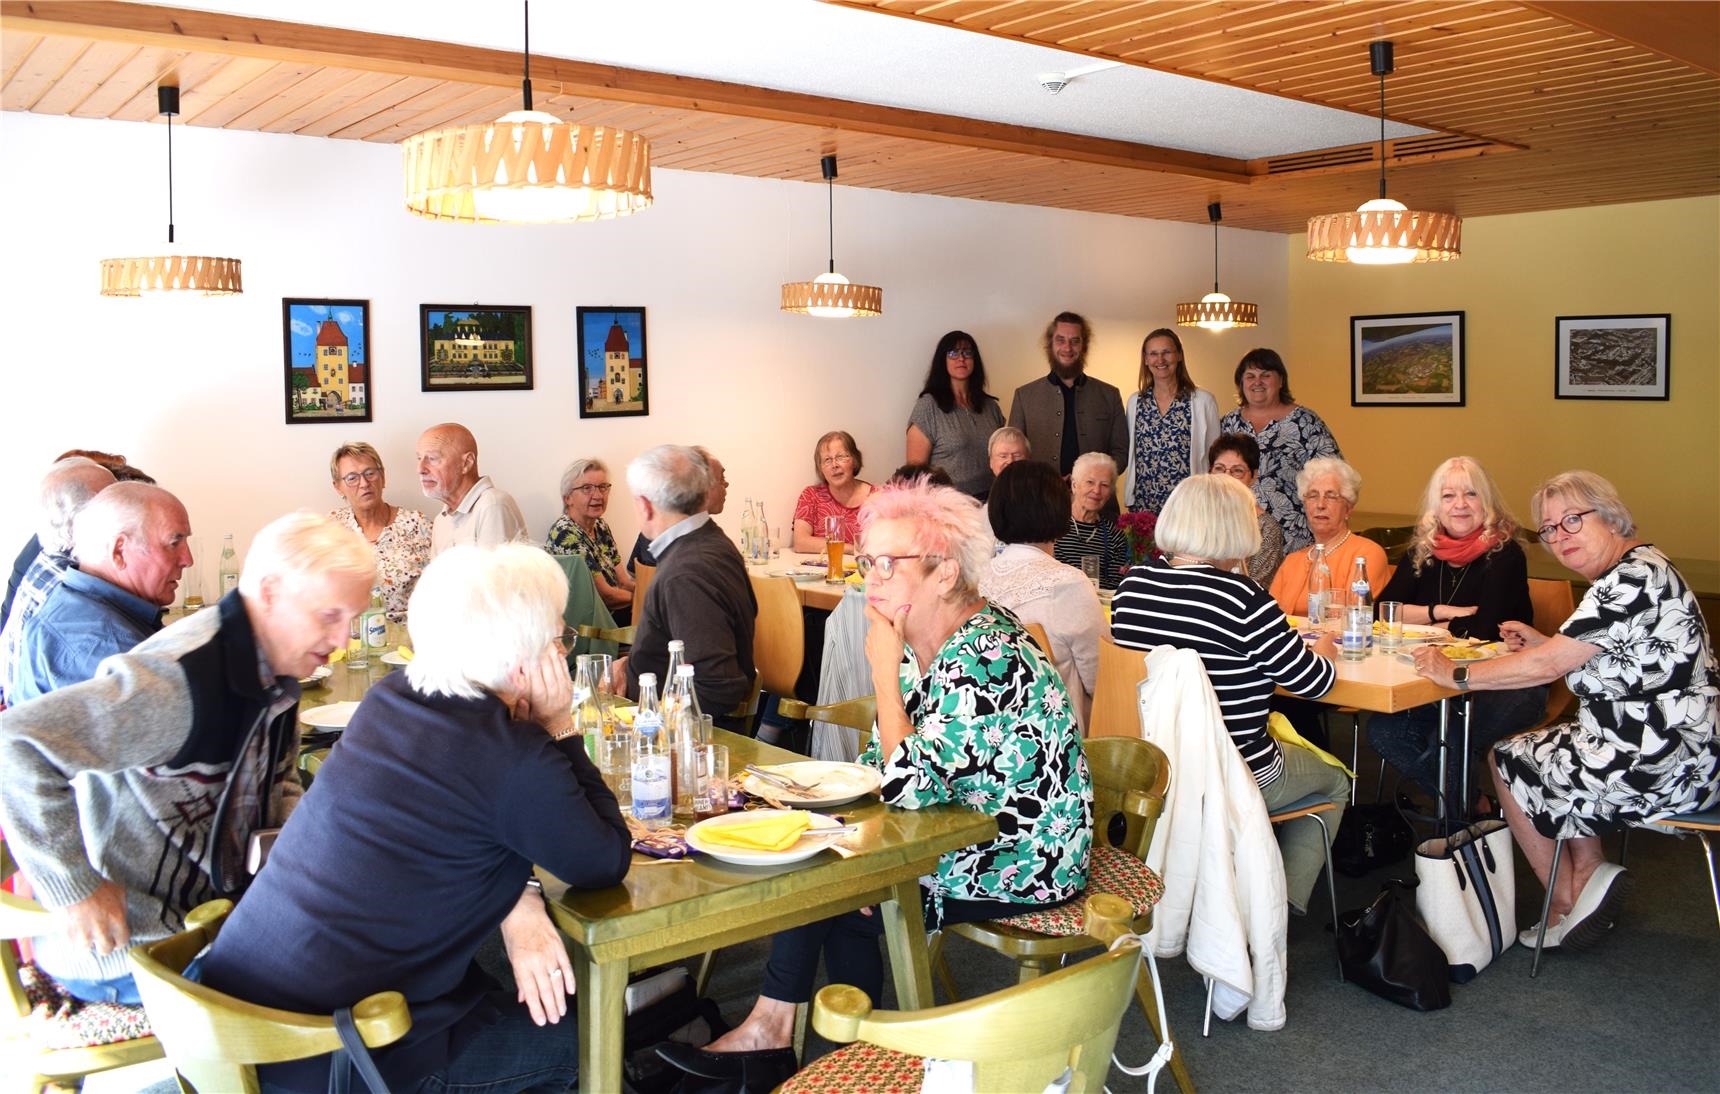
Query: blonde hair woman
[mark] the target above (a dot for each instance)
(399, 536)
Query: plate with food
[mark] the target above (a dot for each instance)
(764, 837)
(317, 676)
(332, 716)
(828, 782)
(1460, 650)
(396, 657)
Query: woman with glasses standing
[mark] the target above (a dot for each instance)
(839, 492)
(581, 530)
(1638, 657)
(399, 536)
(1171, 422)
(1289, 435)
(954, 417)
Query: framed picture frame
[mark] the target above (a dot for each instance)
(327, 368)
(474, 347)
(1612, 356)
(613, 373)
(1412, 359)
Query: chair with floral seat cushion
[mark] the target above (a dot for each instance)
(46, 1035)
(1130, 777)
(1021, 1038)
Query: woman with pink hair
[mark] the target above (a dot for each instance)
(969, 712)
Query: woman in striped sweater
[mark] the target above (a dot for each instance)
(1196, 598)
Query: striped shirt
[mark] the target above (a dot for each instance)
(1242, 638)
(1103, 539)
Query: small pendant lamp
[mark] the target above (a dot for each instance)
(1216, 311)
(830, 295)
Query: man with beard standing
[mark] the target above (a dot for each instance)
(1068, 412)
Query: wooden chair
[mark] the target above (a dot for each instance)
(857, 714)
(779, 634)
(642, 575)
(1018, 1039)
(1040, 638)
(1130, 777)
(310, 762)
(1116, 703)
(1553, 601)
(215, 1041)
(621, 636)
(30, 1063)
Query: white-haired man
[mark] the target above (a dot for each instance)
(131, 798)
(451, 780)
(131, 543)
(475, 511)
(66, 488)
(701, 594)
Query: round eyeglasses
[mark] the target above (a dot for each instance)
(353, 478)
(885, 564)
(1572, 523)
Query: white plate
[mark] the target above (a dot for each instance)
(809, 844)
(834, 783)
(392, 657)
(333, 716)
(1476, 653)
(321, 673)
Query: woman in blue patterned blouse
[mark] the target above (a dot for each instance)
(1171, 423)
(581, 530)
(1289, 435)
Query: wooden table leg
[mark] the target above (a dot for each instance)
(600, 1006)
(905, 935)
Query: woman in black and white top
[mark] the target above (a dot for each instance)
(1196, 598)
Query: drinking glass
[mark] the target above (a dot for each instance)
(1333, 624)
(615, 763)
(833, 535)
(712, 796)
(1090, 567)
(1391, 614)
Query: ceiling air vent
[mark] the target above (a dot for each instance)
(1427, 148)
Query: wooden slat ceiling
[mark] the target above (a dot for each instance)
(1534, 111)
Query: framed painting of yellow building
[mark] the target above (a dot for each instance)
(475, 347)
(327, 348)
(612, 369)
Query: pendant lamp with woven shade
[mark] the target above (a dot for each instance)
(830, 295)
(1216, 311)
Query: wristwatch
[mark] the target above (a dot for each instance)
(1460, 677)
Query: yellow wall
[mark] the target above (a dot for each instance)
(1516, 274)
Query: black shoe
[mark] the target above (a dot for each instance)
(739, 1072)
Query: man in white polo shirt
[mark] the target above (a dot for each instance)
(474, 510)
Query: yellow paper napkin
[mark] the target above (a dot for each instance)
(337, 654)
(769, 832)
(405, 652)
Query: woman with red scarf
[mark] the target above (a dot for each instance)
(1464, 570)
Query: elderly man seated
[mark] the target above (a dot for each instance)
(452, 779)
(131, 543)
(475, 512)
(700, 595)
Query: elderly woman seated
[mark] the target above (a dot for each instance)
(1089, 533)
(399, 536)
(581, 530)
(838, 493)
(1638, 657)
(453, 778)
(978, 718)
(1027, 506)
(1194, 598)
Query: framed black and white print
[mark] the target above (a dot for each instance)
(1612, 356)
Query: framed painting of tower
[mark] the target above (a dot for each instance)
(326, 344)
(612, 370)
(475, 347)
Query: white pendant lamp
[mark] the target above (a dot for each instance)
(527, 167)
(830, 295)
(171, 272)
(1383, 232)
(1216, 311)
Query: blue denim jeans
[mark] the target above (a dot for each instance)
(121, 989)
(512, 1056)
(1406, 741)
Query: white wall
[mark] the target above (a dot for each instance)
(191, 389)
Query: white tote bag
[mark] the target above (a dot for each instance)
(1467, 895)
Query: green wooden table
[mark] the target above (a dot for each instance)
(671, 911)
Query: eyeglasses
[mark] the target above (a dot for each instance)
(960, 352)
(369, 474)
(1240, 471)
(886, 564)
(1332, 496)
(590, 487)
(1572, 523)
(832, 461)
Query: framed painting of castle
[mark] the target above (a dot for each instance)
(612, 372)
(475, 347)
(327, 360)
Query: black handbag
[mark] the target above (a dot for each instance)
(1385, 949)
(1372, 836)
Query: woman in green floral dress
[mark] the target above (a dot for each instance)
(969, 712)
(581, 530)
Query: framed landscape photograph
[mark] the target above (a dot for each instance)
(326, 344)
(474, 347)
(612, 370)
(1612, 356)
(1407, 360)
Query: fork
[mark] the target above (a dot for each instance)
(780, 780)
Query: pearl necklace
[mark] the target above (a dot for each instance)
(1333, 547)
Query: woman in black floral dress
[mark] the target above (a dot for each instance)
(1636, 654)
(1288, 433)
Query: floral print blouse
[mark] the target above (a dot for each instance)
(402, 552)
(1161, 452)
(994, 731)
(598, 549)
(1285, 445)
